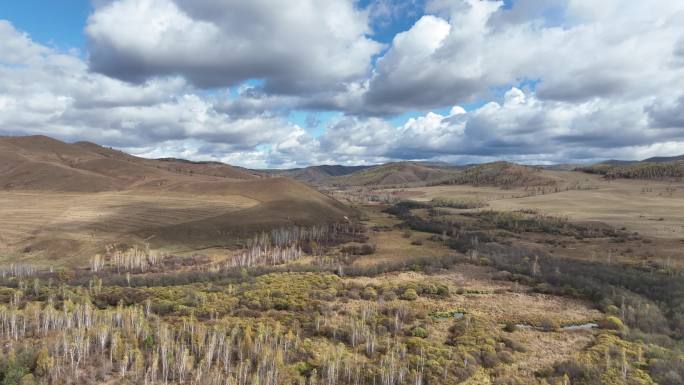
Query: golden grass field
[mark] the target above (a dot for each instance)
(652, 208)
(392, 244)
(76, 224)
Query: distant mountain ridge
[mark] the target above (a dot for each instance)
(416, 174)
(394, 174)
(501, 174)
(659, 167)
(654, 159)
(659, 159)
(314, 174)
(40, 162)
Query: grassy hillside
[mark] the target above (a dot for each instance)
(63, 202)
(43, 163)
(664, 158)
(501, 174)
(412, 174)
(316, 174)
(394, 174)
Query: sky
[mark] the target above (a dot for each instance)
(291, 83)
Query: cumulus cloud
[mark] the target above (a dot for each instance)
(668, 113)
(576, 49)
(43, 91)
(522, 127)
(295, 47)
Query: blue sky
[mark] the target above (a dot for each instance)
(270, 84)
(57, 23)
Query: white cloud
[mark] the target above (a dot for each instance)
(581, 50)
(303, 46)
(521, 128)
(43, 91)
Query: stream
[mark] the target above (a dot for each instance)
(585, 326)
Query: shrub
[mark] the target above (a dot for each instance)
(611, 310)
(668, 371)
(510, 327)
(503, 276)
(418, 331)
(514, 345)
(549, 324)
(612, 323)
(506, 357)
(369, 293)
(389, 295)
(27, 379)
(579, 371)
(490, 359)
(434, 289)
(457, 203)
(409, 295)
(364, 249)
(14, 372)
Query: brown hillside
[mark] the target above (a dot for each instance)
(318, 174)
(502, 174)
(394, 174)
(40, 162)
(63, 202)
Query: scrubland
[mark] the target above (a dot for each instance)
(450, 284)
(410, 294)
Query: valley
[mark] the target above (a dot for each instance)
(200, 273)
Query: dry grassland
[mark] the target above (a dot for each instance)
(63, 222)
(652, 208)
(393, 244)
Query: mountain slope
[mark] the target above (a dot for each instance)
(658, 159)
(497, 174)
(64, 201)
(394, 174)
(43, 163)
(639, 170)
(315, 174)
(657, 167)
(501, 174)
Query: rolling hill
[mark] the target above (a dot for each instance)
(414, 174)
(65, 201)
(43, 163)
(317, 174)
(657, 159)
(651, 168)
(502, 174)
(394, 174)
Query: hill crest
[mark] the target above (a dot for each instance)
(43, 163)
